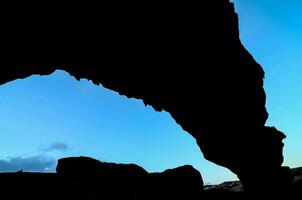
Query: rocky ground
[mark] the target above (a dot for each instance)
(89, 179)
(236, 186)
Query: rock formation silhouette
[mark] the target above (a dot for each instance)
(120, 181)
(236, 186)
(86, 178)
(183, 58)
(90, 179)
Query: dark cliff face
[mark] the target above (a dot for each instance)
(184, 59)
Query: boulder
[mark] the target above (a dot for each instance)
(86, 177)
(183, 182)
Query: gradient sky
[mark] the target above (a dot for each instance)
(46, 118)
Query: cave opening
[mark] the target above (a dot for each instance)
(49, 117)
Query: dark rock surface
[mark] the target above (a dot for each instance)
(180, 183)
(85, 166)
(183, 58)
(117, 181)
(88, 179)
(229, 186)
(236, 186)
(297, 183)
(95, 179)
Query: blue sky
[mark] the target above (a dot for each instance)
(56, 116)
(46, 118)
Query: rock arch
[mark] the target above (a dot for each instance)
(185, 59)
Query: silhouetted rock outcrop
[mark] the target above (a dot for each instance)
(183, 58)
(85, 166)
(183, 182)
(236, 186)
(90, 179)
(86, 177)
(99, 180)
